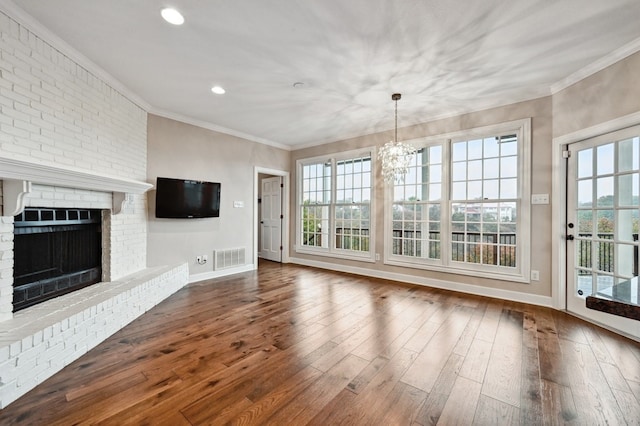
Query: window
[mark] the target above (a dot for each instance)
(464, 204)
(316, 196)
(335, 206)
(352, 208)
(484, 200)
(417, 205)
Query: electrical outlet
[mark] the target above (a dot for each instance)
(199, 260)
(205, 258)
(535, 275)
(377, 256)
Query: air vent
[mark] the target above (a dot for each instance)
(229, 258)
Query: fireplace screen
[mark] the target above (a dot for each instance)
(56, 251)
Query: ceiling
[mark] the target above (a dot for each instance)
(445, 57)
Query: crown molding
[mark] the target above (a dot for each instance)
(13, 11)
(214, 127)
(538, 93)
(594, 67)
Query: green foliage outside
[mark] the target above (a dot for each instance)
(311, 224)
(604, 230)
(351, 225)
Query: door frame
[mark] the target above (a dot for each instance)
(559, 203)
(275, 248)
(285, 211)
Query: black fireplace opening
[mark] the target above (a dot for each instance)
(56, 251)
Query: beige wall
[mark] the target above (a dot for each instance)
(606, 95)
(540, 112)
(180, 150)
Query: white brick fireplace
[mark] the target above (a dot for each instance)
(40, 340)
(27, 184)
(70, 137)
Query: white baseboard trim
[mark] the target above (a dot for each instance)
(221, 273)
(514, 296)
(605, 326)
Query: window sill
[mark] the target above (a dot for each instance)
(366, 257)
(515, 277)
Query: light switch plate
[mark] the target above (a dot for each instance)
(540, 199)
(238, 204)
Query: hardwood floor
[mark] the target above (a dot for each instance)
(296, 345)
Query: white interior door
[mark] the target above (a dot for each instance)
(271, 219)
(603, 211)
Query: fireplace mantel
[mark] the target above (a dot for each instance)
(18, 175)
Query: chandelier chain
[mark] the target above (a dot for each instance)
(395, 156)
(395, 139)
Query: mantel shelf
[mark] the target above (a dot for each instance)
(18, 175)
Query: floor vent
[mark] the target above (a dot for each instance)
(229, 258)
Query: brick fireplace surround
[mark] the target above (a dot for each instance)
(69, 138)
(37, 342)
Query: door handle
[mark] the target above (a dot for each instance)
(570, 237)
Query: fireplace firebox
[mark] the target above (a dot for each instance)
(56, 251)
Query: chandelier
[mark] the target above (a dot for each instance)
(395, 156)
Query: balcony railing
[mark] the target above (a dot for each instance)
(346, 239)
(605, 253)
(352, 239)
(484, 248)
(487, 248)
(407, 243)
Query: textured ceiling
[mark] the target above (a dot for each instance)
(445, 57)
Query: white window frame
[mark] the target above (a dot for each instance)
(521, 273)
(331, 251)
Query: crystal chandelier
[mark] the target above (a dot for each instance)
(395, 156)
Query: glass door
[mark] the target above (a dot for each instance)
(603, 210)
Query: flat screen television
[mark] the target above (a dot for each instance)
(184, 198)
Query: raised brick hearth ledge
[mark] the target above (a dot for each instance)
(41, 340)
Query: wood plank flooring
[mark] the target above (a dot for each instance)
(295, 345)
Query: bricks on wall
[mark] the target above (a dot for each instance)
(54, 111)
(6, 267)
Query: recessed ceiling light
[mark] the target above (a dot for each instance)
(172, 16)
(218, 90)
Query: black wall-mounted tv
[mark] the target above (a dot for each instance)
(184, 198)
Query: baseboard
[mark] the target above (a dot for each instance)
(602, 325)
(510, 295)
(221, 273)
